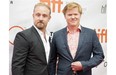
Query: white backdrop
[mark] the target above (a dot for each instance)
(94, 16)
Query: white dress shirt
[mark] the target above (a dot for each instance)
(45, 40)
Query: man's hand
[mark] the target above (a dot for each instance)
(76, 66)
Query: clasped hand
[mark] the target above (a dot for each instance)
(76, 66)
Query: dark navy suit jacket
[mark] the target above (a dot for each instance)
(89, 52)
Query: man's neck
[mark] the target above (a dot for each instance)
(72, 28)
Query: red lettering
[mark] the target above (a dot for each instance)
(54, 3)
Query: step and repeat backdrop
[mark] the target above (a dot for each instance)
(94, 16)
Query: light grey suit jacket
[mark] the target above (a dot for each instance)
(89, 52)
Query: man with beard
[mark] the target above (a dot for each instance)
(32, 46)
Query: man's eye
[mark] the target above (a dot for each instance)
(69, 14)
(37, 14)
(44, 15)
(75, 14)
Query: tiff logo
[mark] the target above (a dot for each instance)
(103, 9)
(102, 35)
(53, 4)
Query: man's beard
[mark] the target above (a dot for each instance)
(40, 25)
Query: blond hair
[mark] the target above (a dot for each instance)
(72, 5)
(42, 4)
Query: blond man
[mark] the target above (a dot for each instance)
(74, 46)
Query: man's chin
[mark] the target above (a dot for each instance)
(73, 24)
(40, 26)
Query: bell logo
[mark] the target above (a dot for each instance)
(103, 9)
(11, 2)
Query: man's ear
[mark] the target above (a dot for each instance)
(65, 16)
(50, 16)
(33, 15)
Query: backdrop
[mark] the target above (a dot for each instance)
(94, 16)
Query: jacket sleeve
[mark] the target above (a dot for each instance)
(97, 52)
(20, 51)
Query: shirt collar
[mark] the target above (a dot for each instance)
(40, 32)
(79, 29)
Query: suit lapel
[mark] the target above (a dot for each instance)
(64, 35)
(50, 39)
(82, 36)
(40, 43)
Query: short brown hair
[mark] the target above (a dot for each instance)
(42, 4)
(72, 5)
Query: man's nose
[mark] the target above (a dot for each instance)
(41, 17)
(72, 16)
